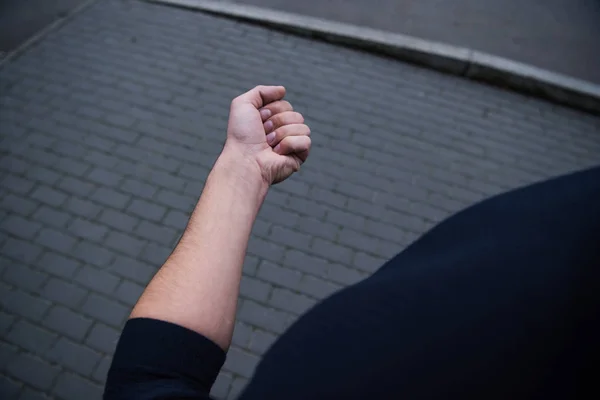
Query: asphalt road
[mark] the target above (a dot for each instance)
(559, 35)
(20, 19)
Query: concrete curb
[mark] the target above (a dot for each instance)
(451, 59)
(11, 55)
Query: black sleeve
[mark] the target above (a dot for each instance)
(160, 360)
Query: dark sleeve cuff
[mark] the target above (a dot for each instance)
(150, 350)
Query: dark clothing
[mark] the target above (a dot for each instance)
(499, 301)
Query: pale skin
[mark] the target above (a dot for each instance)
(198, 285)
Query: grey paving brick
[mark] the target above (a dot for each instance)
(104, 177)
(110, 197)
(315, 227)
(51, 217)
(137, 188)
(49, 196)
(240, 362)
(327, 196)
(63, 292)
(343, 275)
(254, 289)
(8, 352)
(266, 250)
(100, 143)
(92, 254)
(9, 388)
(261, 341)
(6, 321)
(346, 219)
(101, 369)
(176, 219)
(304, 262)
(32, 394)
(129, 292)
(82, 207)
(331, 251)
(71, 386)
(12, 164)
(87, 230)
(20, 205)
(367, 263)
(58, 265)
(173, 200)
(67, 322)
(250, 265)
(102, 159)
(105, 310)
(103, 338)
(241, 334)
(269, 319)
(236, 388)
(31, 338)
(316, 287)
(74, 356)
(261, 228)
(21, 250)
(24, 277)
(96, 279)
(294, 187)
(116, 219)
(286, 300)
(17, 184)
(124, 243)
(23, 304)
(71, 166)
(155, 254)
(56, 240)
(137, 271)
(221, 386)
(147, 210)
(156, 232)
(276, 214)
(33, 371)
(167, 180)
(279, 275)
(290, 238)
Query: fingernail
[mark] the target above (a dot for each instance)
(276, 148)
(271, 137)
(265, 113)
(268, 126)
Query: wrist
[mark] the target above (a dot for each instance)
(242, 171)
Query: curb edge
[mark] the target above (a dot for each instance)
(455, 60)
(41, 34)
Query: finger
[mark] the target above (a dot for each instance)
(261, 95)
(282, 119)
(288, 130)
(298, 145)
(274, 108)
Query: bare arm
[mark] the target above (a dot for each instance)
(198, 285)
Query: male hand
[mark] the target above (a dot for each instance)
(265, 130)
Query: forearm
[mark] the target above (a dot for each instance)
(198, 285)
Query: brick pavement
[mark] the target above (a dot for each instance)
(110, 125)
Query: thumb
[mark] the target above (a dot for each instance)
(260, 96)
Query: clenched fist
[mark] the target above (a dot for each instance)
(264, 129)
